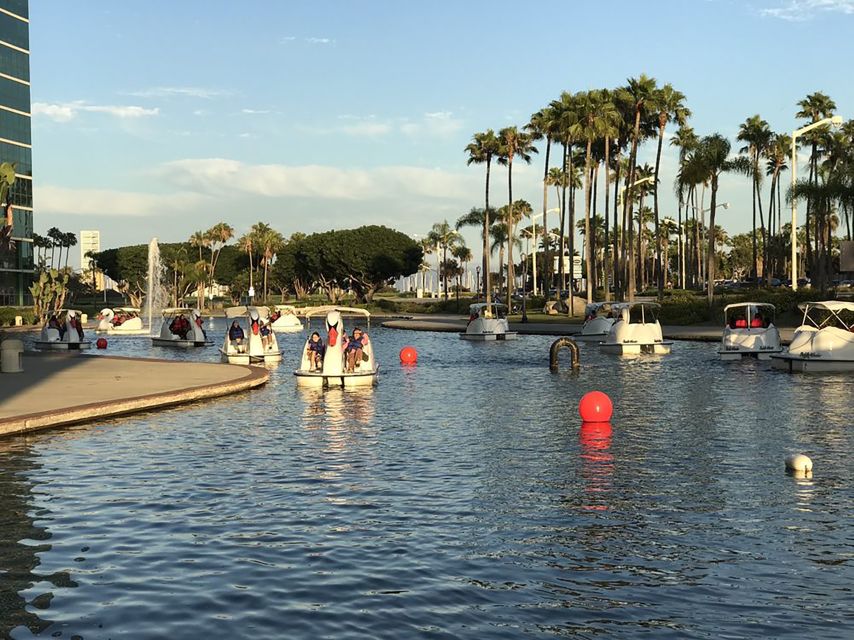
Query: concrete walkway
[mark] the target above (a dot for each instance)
(700, 333)
(60, 389)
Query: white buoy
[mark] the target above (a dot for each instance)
(799, 462)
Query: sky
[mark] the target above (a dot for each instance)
(163, 118)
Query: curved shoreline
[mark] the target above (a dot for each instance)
(46, 394)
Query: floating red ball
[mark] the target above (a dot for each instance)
(101, 343)
(408, 355)
(595, 406)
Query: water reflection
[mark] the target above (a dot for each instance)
(597, 463)
(21, 542)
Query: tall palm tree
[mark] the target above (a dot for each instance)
(54, 235)
(218, 236)
(815, 107)
(564, 118)
(69, 240)
(756, 133)
(545, 124)
(200, 240)
(639, 94)
(513, 144)
(670, 105)
(268, 243)
(462, 253)
(445, 237)
(714, 152)
(686, 140)
(247, 243)
(481, 150)
(597, 118)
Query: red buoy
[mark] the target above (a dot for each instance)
(408, 355)
(101, 343)
(595, 406)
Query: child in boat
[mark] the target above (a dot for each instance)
(315, 351)
(266, 332)
(54, 323)
(355, 349)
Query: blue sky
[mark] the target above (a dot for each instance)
(164, 118)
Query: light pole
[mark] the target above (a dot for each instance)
(524, 286)
(835, 121)
(634, 184)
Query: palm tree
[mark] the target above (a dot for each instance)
(269, 242)
(445, 238)
(482, 149)
(218, 236)
(513, 143)
(200, 240)
(54, 235)
(815, 107)
(247, 244)
(686, 140)
(69, 240)
(462, 253)
(714, 152)
(545, 124)
(670, 105)
(597, 118)
(639, 94)
(756, 133)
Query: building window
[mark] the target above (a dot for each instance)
(14, 63)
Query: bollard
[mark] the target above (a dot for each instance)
(19, 321)
(12, 356)
(559, 344)
(84, 318)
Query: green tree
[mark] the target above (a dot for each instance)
(756, 133)
(481, 150)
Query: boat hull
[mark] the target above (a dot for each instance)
(800, 364)
(731, 355)
(59, 345)
(636, 349)
(485, 337)
(317, 379)
(250, 359)
(180, 344)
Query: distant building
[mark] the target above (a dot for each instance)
(16, 270)
(90, 240)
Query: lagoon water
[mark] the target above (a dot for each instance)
(461, 498)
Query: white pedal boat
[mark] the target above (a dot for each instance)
(285, 320)
(120, 321)
(182, 328)
(637, 331)
(749, 332)
(333, 372)
(63, 331)
(823, 342)
(488, 322)
(599, 317)
(252, 348)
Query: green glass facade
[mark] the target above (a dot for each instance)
(16, 268)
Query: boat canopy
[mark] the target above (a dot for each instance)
(285, 307)
(242, 311)
(831, 313)
(736, 305)
(172, 311)
(640, 312)
(602, 308)
(344, 311)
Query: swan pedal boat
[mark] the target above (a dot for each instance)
(824, 341)
(749, 332)
(637, 331)
(252, 349)
(120, 321)
(72, 339)
(488, 321)
(195, 336)
(333, 372)
(287, 322)
(599, 318)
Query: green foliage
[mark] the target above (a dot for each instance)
(49, 292)
(7, 315)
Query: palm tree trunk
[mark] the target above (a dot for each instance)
(659, 275)
(594, 245)
(618, 276)
(710, 258)
(571, 231)
(606, 257)
(487, 278)
(632, 161)
(755, 159)
(547, 256)
(510, 273)
(588, 257)
(561, 268)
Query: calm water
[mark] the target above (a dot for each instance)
(460, 498)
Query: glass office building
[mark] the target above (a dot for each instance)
(16, 268)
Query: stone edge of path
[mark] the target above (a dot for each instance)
(255, 377)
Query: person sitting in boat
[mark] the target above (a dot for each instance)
(235, 334)
(75, 323)
(354, 350)
(54, 323)
(315, 351)
(180, 326)
(275, 315)
(200, 325)
(757, 322)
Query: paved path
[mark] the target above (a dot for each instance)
(699, 333)
(60, 389)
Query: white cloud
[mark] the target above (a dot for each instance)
(68, 111)
(189, 92)
(255, 112)
(800, 10)
(429, 125)
(218, 176)
(107, 202)
(437, 123)
(320, 40)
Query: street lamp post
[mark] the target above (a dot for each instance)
(534, 258)
(525, 286)
(835, 121)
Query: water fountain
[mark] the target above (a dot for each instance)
(156, 296)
